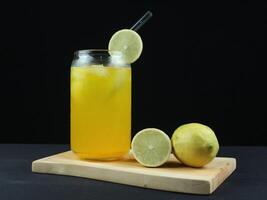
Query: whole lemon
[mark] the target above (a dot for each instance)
(194, 144)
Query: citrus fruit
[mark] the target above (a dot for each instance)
(128, 42)
(194, 144)
(151, 147)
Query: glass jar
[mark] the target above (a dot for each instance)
(100, 105)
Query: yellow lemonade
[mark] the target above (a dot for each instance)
(100, 111)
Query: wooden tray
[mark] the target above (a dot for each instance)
(170, 177)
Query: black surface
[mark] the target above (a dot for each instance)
(203, 61)
(249, 181)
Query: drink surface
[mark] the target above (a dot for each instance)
(100, 111)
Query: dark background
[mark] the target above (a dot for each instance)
(202, 62)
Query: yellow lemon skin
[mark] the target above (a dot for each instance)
(194, 144)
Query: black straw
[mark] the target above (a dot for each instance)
(142, 21)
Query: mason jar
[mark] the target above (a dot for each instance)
(100, 105)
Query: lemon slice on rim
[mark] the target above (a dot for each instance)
(128, 42)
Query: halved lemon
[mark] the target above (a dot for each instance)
(151, 147)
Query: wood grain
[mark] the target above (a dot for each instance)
(170, 177)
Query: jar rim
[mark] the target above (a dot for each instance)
(99, 56)
(97, 51)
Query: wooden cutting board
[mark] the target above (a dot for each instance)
(170, 177)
